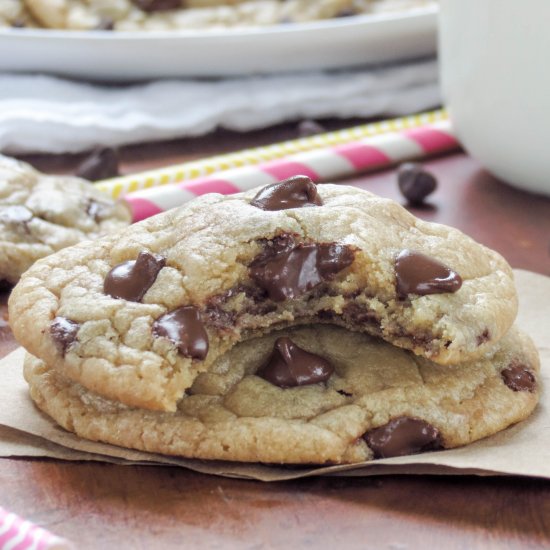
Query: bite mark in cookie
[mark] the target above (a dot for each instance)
(289, 365)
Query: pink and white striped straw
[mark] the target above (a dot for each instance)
(19, 534)
(321, 165)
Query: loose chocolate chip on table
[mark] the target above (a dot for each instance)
(403, 436)
(18, 24)
(157, 5)
(99, 165)
(291, 272)
(417, 273)
(295, 192)
(307, 128)
(185, 329)
(519, 377)
(415, 183)
(63, 331)
(131, 280)
(290, 366)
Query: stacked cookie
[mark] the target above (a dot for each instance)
(290, 324)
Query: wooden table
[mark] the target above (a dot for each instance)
(104, 506)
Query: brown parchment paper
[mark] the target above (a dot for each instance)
(523, 449)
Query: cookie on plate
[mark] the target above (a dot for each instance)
(14, 14)
(132, 15)
(41, 214)
(315, 395)
(138, 315)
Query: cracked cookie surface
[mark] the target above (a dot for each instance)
(128, 15)
(40, 214)
(378, 401)
(200, 278)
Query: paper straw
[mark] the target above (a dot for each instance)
(326, 164)
(19, 534)
(117, 187)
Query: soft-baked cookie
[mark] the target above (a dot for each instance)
(13, 13)
(314, 395)
(41, 214)
(137, 315)
(129, 15)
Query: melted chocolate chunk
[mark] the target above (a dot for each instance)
(307, 128)
(415, 183)
(519, 377)
(295, 192)
(63, 331)
(15, 214)
(157, 5)
(291, 272)
(290, 366)
(131, 280)
(101, 164)
(417, 273)
(185, 329)
(403, 436)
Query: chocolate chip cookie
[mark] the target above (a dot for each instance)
(138, 315)
(131, 15)
(314, 395)
(41, 214)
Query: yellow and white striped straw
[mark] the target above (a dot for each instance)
(117, 187)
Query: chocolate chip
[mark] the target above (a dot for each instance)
(295, 192)
(344, 393)
(290, 366)
(99, 165)
(185, 329)
(157, 5)
(63, 331)
(18, 23)
(403, 436)
(105, 24)
(519, 377)
(291, 272)
(308, 128)
(485, 336)
(415, 183)
(346, 12)
(131, 280)
(15, 214)
(417, 273)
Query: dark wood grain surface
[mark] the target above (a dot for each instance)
(105, 506)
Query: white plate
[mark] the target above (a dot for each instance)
(335, 43)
